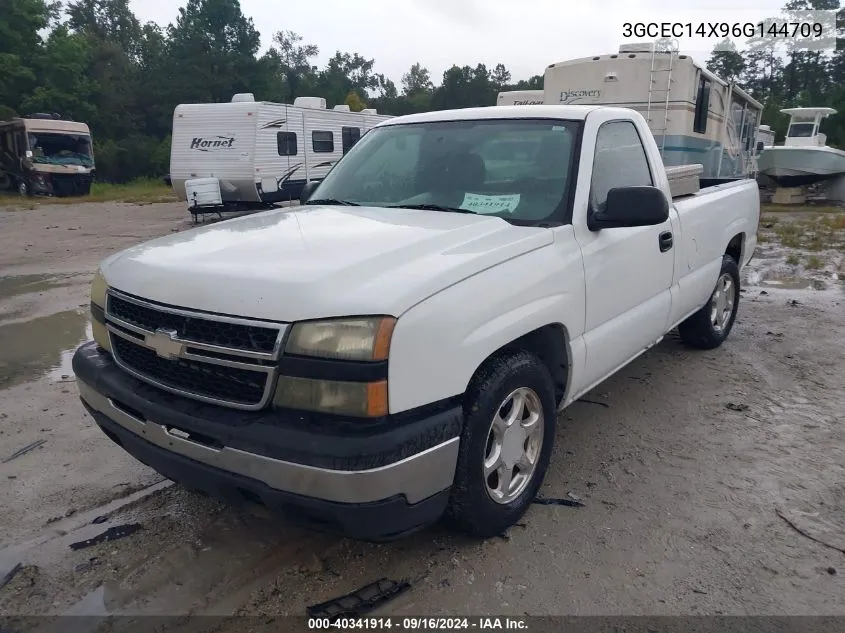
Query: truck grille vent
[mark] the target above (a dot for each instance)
(221, 360)
(226, 384)
(203, 329)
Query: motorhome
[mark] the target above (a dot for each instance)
(255, 153)
(694, 116)
(520, 97)
(42, 154)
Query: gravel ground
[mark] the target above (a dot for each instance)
(712, 482)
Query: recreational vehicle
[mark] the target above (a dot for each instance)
(520, 97)
(694, 116)
(255, 153)
(44, 155)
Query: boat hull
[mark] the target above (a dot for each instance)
(799, 166)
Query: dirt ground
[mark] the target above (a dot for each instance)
(712, 482)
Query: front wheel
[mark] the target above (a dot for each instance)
(506, 444)
(709, 327)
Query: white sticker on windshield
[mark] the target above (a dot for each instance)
(490, 204)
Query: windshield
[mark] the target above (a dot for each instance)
(517, 169)
(57, 148)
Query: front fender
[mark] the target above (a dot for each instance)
(439, 343)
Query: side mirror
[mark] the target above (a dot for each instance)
(307, 190)
(28, 153)
(760, 146)
(630, 206)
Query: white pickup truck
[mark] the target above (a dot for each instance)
(398, 348)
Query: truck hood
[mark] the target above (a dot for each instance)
(318, 262)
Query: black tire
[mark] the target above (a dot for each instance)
(701, 330)
(471, 507)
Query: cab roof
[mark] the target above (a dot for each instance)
(570, 112)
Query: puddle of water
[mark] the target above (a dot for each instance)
(13, 285)
(80, 527)
(31, 349)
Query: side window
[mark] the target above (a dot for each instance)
(286, 142)
(349, 136)
(620, 161)
(702, 106)
(322, 142)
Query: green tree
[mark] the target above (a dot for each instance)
(212, 52)
(500, 77)
(293, 59)
(106, 20)
(63, 82)
(21, 22)
(726, 62)
(353, 100)
(416, 80)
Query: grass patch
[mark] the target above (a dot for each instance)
(793, 259)
(817, 233)
(790, 233)
(142, 191)
(793, 208)
(834, 222)
(814, 262)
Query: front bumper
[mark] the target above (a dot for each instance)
(370, 481)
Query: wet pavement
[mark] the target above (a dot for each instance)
(701, 473)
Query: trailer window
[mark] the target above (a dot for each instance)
(702, 106)
(322, 142)
(349, 136)
(286, 142)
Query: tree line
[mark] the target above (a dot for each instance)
(93, 61)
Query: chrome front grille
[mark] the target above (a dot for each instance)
(217, 359)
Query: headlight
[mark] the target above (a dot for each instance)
(98, 289)
(359, 339)
(98, 307)
(359, 399)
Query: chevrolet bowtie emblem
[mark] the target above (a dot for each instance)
(164, 343)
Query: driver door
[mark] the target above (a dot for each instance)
(628, 270)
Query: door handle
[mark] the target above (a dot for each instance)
(665, 241)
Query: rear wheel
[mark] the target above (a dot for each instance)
(709, 327)
(23, 188)
(506, 443)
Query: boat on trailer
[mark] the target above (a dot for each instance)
(804, 158)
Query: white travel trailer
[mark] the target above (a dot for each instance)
(520, 97)
(684, 103)
(255, 153)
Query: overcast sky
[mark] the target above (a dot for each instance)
(525, 35)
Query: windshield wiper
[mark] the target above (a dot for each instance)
(343, 203)
(430, 207)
